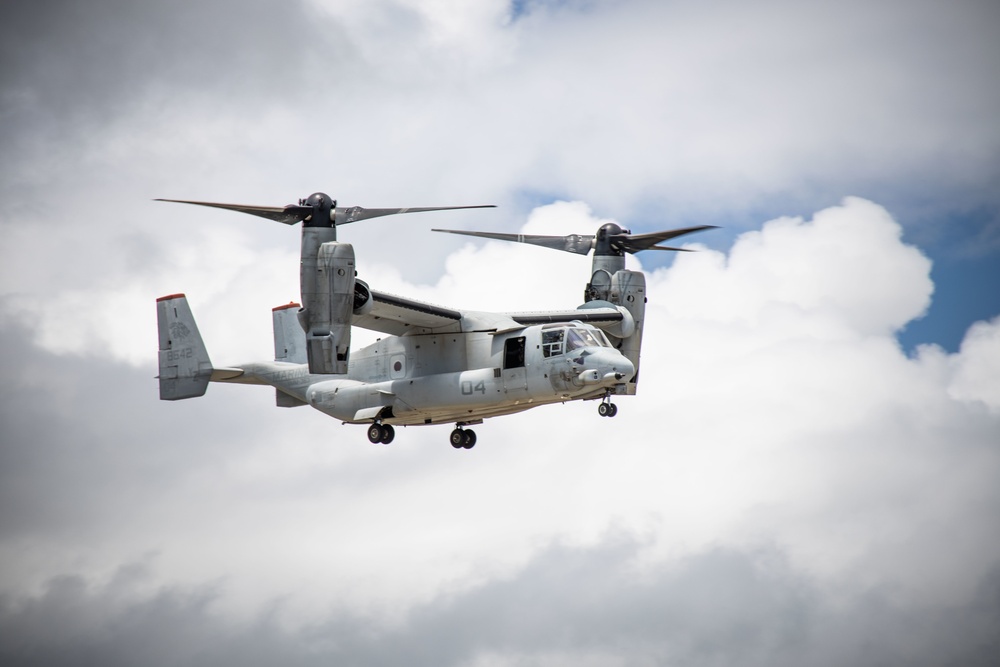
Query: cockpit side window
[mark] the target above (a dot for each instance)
(552, 342)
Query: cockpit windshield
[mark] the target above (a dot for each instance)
(565, 339)
(578, 338)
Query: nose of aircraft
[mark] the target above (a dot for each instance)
(610, 364)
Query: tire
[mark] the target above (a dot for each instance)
(375, 433)
(613, 411)
(388, 433)
(457, 438)
(603, 409)
(469, 441)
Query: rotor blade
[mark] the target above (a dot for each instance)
(634, 243)
(575, 243)
(288, 215)
(345, 215)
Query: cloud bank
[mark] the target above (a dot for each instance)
(789, 487)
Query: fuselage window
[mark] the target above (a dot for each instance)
(552, 342)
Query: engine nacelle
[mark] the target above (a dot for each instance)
(611, 284)
(327, 316)
(628, 290)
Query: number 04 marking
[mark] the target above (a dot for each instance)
(468, 388)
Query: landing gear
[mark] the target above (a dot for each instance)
(462, 439)
(381, 433)
(607, 409)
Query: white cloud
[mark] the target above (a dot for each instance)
(977, 368)
(775, 408)
(410, 103)
(834, 272)
(113, 317)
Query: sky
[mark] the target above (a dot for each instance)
(809, 474)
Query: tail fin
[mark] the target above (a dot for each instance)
(185, 368)
(289, 337)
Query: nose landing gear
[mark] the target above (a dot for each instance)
(462, 438)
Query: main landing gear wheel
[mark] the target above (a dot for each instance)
(381, 433)
(462, 439)
(607, 409)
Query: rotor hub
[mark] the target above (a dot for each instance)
(321, 205)
(606, 240)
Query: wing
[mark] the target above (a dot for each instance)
(599, 317)
(396, 315)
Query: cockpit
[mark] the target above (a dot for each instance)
(559, 339)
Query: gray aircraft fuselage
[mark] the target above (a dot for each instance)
(456, 377)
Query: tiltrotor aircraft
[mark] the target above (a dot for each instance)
(438, 365)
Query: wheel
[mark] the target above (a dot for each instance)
(613, 409)
(388, 433)
(376, 433)
(603, 409)
(457, 438)
(469, 441)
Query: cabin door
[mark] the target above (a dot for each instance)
(515, 377)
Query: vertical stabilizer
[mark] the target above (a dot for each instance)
(289, 338)
(185, 368)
